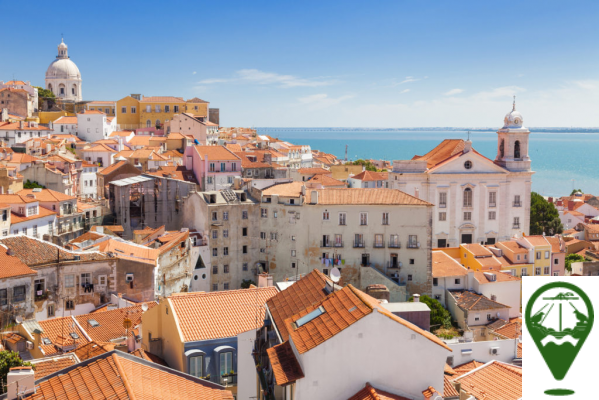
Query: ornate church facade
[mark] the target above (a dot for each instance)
(477, 200)
(63, 77)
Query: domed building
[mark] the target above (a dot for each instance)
(63, 77)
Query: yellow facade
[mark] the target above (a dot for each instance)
(128, 112)
(542, 264)
(159, 323)
(155, 113)
(46, 117)
(198, 109)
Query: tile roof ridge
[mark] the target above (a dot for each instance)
(373, 392)
(123, 376)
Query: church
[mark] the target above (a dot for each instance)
(63, 77)
(477, 200)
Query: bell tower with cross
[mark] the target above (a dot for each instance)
(512, 142)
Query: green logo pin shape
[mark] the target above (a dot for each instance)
(559, 317)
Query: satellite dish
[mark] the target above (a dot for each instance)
(19, 319)
(335, 274)
(144, 307)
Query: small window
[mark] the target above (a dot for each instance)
(245, 249)
(244, 231)
(292, 253)
(18, 293)
(214, 287)
(50, 310)
(70, 304)
(492, 215)
(363, 218)
(46, 341)
(457, 281)
(226, 286)
(412, 261)
(3, 297)
(244, 267)
(546, 271)
(225, 269)
(410, 277)
(214, 252)
(435, 281)
(244, 215)
(468, 165)
(442, 216)
(215, 270)
(325, 215)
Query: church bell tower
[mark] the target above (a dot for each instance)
(512, 143)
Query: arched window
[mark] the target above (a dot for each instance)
(157, 123)
(467, 197)
(74, 90)
(501, 148)
(517, 149)
(148, 124)
(50, 87)
(61, 89)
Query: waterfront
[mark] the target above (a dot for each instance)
(557, 158)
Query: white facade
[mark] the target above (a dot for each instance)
(21, 132)
(477, 200)
(88, 184)
(102, 156)
(94, 125)
(504, 292)
(65, 126)
(246, 368)
(63, 77)
(485, 351)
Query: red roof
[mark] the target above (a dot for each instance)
(494, 380)
(371, 393)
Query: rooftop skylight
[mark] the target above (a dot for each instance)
(310, 316)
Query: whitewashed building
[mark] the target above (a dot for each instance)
(88, 184)
(20, 132)
(94, 125)
(63, 77)
(477, 200)
(65, 126)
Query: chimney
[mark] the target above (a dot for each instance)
(265, 280)
(416, 298)
(20, 381)
(378, 291)
(4, 117)
(313, 195)
(21, 125)
(467, 146)
(51, 125)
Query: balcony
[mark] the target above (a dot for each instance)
(516, 226)
(378, 245)
(359, 244)
(393, 265)
(325, 243)
(492, 205)
(41, 295)
(338, 244)
(443, 205)
(394, 245)
(69, 228)
(413, 245)
(517, 204)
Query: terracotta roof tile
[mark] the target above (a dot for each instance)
(519, 351)
(178, 172)
(326, 180)
(448, 389)
(448, 370)
(42, 212)
(369, 176)
(203, 316)
(444, 265)
(445, 150)
(162, 99)
(46, 195)
(100, 147)
(146, 355)
(513, 330)
(473, 301)
(370, 393)
(467, 367)
(494, 380)
(47, 366)
(92, 349)
(536, 240)
(58, 331)
(357, 196)
(513, 247)
(285, 366)
(478, 250)
(66, 120)
(217, 153)
(11, 266)
(110, 169)
(16, 126)
(499, 277)
(290, 189)
(234, 147)
(555, 243)
(196, 100)
(111, 322)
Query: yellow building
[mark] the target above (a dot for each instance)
(197, 107)
(45, 117)
(541, 251)
(155, 110)
(107, 107)
(127, 113)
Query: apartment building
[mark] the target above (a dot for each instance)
(371, 235)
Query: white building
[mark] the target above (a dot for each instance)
(63, 77)
(477, 200)
(88, 184)
(65, 126)
(95, 125)
(20, 132)
(369, 179)
(100, 154)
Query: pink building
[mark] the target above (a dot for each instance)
(215, 167)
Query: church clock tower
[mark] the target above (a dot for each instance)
(512, 143)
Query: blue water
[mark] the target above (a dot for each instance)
(557, 158)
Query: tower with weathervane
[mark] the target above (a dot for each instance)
(512, 143)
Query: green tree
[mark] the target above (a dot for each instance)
(440, 317)
(366, 164)
(246, 283)
(573, 258)
(32, 185)
(575, 191)
(43, 94)
(544, 217)
(8, 360)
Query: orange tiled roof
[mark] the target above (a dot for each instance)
(313, 171)
(285, 366)
(369, 176)
(92, 349)
(513, 247)
(217, 153)
(536, 240)
(224, 314)
(120, 133)
(46, 195)
(100, 147)
(513, 330)
(303, 293)
(179, 173)
(448, 389)
(478, 250)
(473, 301)
(444, 265)
(290, 189)
(58, 330)
(146, 355)
(117, 375)
(467, 367)
(11, 266)
(42, 212)
(499, 277)
(162, 99)
(326, 180)
(555, 243)
(370, 393)
(66, 120)
(449, 370)
(196, 100)
(47, 366)
(445, 150)
(359, 196)
(112, 168)
(494, 380)
(234, 147)
(16, 126)
(519, 351)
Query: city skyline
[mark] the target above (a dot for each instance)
(324, 65)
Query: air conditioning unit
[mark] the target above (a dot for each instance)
(29, 345)
(494, 351)
(129, 278)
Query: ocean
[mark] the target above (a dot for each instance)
(561, 161)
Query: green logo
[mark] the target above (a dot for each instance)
(559, 317)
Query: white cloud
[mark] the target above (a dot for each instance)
(322, 100)
(453, 92)
(194, 72)
(587, 84)
(404, 91)
(408, 80)
(255, 76)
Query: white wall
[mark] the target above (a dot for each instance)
(375, 349)
(481, 351)
(508, 293)
(246, 369)
(88, 175)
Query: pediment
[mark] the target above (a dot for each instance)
(479, 165)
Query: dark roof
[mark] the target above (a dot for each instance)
(472, 301)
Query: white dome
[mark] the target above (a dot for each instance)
(63, 68)
(513, 119)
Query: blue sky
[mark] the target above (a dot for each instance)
(326, 63)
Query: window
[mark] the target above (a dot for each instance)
(325, 215)
(556, 274)
(225, 251)
(244, 266)
(546, 255)
(34, 230)
(133, 110)
(385, 218)
(262, 250)
(467, 197)
(222, 167)
(167, 108)
(292, 253)
(378, 241)
(24, 230)
(517, 202)
(492, 199)
(410, 277)
(273, 235)
(546, 271)
(69, 281)
(226, 286)
(234, 167)
(442, 216)
(342, 217)
(363, 218)
(214, 287)
(538, 271)
(457, 281)
(50, 310)
(214, 252)
(214, 234)
(492, 215)
(264, 213)
(226, 233)
(230, 178)
(293, 264)
(157, 108)
(123, 110)
(467, 216)
(538, 255)
(524, 272)
(215, 216)
(244, 215)
(555, 261)
(226, 269)
(215, 270)
(244, 231)
(3, 297)
(212, 167)
(516, 222)
(39, 286)
(263, 235)
(225, 215)
(102, 280)
(196, 365)
(413, 241)
(274, 214)
(245, 249)
(32, 211)
(18, 294)
(435, 281)
(412, 261)
(70, 304)
(517, 149)
(468, 165)
(443, 200)
(226, 363)
(86, 278)
(176, 109)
